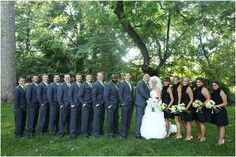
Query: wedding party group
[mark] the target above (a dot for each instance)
(79, 108)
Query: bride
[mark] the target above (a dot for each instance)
(153, 122)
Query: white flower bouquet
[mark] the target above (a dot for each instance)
(180, 107)
(173, 109)
(163, 106)
(197, 104)
(210, 104)
(152, 102)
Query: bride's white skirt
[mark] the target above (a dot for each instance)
(153, 124)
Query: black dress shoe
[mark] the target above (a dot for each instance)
(111, 136)
(139, 137)
(97, 136)
(124, 136)
(73, 136)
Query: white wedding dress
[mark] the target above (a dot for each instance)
(153, 123)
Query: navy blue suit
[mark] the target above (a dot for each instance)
(98, 108)
(44, 107)
(111, 98)
(75, 121)
(142, 94)
(85, 98)
(19, 110)
(63, 100)
(127, 99)
(54, 107)
(33, 108)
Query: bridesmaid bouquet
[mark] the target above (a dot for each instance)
(197, 104)
(163, 106)
(180, 107)
(173, 109)
(152, 102)
(210, 104)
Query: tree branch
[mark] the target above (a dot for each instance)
(119, 11)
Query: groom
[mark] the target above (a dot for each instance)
(142, 94)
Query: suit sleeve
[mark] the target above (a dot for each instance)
(70, 94)
(39, 94)
(142, 92)
(81, 94)
(120, 93)
(94, 94)
(16, 95)
(59, 95)
(28, 93)
(106, 95)
(49, 94)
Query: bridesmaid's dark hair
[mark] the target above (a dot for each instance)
(176, 77)
(167, 79)
(216, 83)
(201, 79)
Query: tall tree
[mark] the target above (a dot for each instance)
(8, 50)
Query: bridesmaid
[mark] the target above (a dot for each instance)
(177, 98)
(187, 99)
(220, 119)
(167, 98)
(201, 93)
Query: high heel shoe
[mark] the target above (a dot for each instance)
(188, 138)
(221, 142)
(179, 137)
(202, 139)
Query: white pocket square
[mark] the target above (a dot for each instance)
(72, 105)
(84, 105)
(110, 106)
(97, 105)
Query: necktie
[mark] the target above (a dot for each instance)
(68, 84)
(148, 85)
(130, 87)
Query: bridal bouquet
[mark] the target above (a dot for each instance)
(210, 104)
(152, 102)
(163, 106)
(197, 104)
(180, 107)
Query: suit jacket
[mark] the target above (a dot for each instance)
(85, 94)
(19, 98)
(42, 94)
(142, 94)
(97, 93)
(111, 96)
(125, 95)
(63, 95)
(31, 95)
(52, 93)
(74, 94)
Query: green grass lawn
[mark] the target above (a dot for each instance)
(131, 146)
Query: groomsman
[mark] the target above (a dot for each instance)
(75, 121)
(33, 105)
(53, 103)
(43, 104)
(142, 94)
(127, 99)
(19, 107)
(63, 100)
(98, 105)
(85, 98)
(111, 100)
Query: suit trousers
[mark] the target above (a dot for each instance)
(20, 120)
(54, 118)
(33, 113)
(75, 120)
(64, 120)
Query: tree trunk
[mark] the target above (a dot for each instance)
(8, 50)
